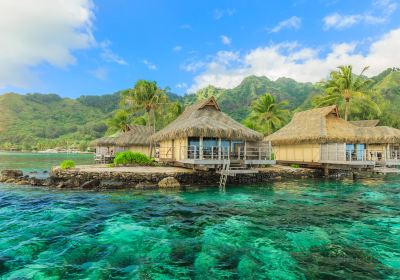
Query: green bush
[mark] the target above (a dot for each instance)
(67, 164)
(129, 157)
(294, 165)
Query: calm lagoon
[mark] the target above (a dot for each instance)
(306, 229)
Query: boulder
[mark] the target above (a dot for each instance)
(12, 173)
(169, 182)
(23, 182)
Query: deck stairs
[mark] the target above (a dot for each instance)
(233, 168)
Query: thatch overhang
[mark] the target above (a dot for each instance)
(205, 119)
(133, 135)
(365, 123)
(324, 125)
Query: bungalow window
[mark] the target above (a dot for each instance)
(194, 147)
(237, 148)
(350, 151)
(210, 147)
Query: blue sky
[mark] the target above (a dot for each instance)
(76, 47)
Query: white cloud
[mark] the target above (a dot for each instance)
(185, 26)
(41, 32)
(228, 69)
(220, 13)
(108, 55)
(290, 23)
(100, 73)
(380, 13)
(181, 85)
(150, 66)
(177, 48)
(226, 40)
(193, 66)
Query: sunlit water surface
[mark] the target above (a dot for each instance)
(307, 229)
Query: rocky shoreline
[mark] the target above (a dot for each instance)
(119, 178)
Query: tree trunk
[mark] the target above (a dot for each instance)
(347, 107)
(149, 125)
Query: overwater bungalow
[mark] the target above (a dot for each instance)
(135, 138)
(319, 137)
(204, 136)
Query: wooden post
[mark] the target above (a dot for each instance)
(326, 171)
(245, 150)
(270, 150)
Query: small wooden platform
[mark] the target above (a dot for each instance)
(234, 172)
(386, 170)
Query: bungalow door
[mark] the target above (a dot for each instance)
(237, 151)
(360, 152)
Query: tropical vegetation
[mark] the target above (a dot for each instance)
(41, 121)
(129, 157)
(67, 164)
(267, 114)
(351, 93)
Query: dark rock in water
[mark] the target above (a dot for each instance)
(90, 184)
(34, 172)
(3, 266)
(72, 183)
(51, 181)
(146, 186)
(36, 182)
(45, 172)
(110, 184)
(12, 173)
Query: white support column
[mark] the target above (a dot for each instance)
(219, 148)
(201, 147)
(337, 152)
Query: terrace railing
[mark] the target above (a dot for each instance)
(193, 152)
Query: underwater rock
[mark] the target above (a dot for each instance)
(169, 182)
(90, 184)
(12, 173)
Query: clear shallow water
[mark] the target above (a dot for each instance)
(287, 230)
(37, 162)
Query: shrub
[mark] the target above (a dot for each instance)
(67, 164)
(129, 157)
(294, 165)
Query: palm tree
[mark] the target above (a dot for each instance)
(119, 121)
(145, 96)
(267, 115)
(344, 86)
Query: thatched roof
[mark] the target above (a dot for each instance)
(205, 119)
(365, 123)
(324, 125)
(134, 135)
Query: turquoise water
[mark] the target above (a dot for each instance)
(308, 229)
(37, 162)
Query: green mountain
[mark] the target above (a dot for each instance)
(388, 84)
(47, 120)
(236, 102)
